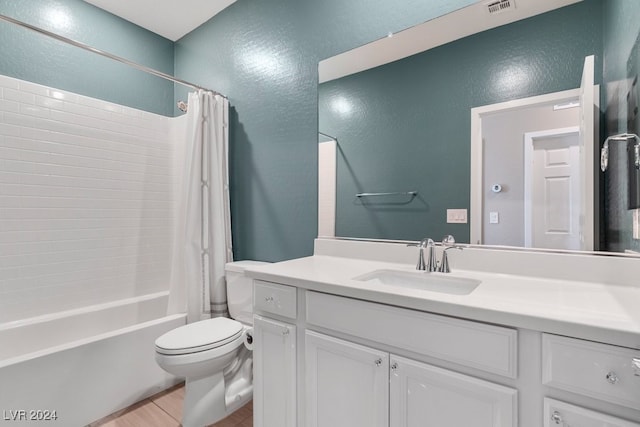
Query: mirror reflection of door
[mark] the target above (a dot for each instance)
(553, 207)
(506, 161)
(552, 189)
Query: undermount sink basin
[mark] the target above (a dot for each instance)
(435, 282)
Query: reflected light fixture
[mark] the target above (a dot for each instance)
(342, 105)
(58, 17)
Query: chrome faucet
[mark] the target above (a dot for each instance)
(430, 265)
(448, 242)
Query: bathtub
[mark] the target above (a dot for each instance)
(75, 367)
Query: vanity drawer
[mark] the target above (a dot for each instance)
(274, 298)
(602, 371)
(562, 414)
(486, 347)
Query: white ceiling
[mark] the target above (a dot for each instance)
(171, 19)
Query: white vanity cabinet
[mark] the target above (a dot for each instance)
(598, 371)
(274, 356)
(350, 385)
(422, 395)
(326, 360)
(353, 385)
(347, 384)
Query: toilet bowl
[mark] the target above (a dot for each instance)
(211, 355)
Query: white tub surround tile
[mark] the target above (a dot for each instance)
(87, 199)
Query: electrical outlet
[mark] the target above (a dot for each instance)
(456, 216)
(494, 218)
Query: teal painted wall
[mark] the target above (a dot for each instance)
(264, 56)
(36, 58)
(621, 65)
(408, 124)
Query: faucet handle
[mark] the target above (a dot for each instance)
(429, 244)
(421, 264)
(444, 264)
(448, 240)
(426, 242)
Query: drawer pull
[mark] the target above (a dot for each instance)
(635, 363)
(274, 298)
(612, 378)
(556, 417)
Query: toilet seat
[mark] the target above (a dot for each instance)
(199, 336)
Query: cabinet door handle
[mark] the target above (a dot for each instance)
(378, 362)
(635, 364)
(268, 299)
(556, 417)
(394, 366)
(612, 378)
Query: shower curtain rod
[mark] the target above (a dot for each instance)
(107, 55)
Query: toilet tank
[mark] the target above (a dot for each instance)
(240, 290)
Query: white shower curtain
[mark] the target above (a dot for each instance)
(202, 244)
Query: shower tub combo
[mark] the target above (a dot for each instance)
(75, 367)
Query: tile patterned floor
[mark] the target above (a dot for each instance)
(165, 410)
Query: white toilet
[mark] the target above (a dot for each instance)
(211, 355)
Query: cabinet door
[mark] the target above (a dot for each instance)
(274, 367)
(560, 414)
(347, 385)
(426, 396)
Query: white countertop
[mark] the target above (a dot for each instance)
(607, 313)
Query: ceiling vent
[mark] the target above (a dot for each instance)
(500, 6)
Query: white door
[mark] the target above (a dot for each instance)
(589, 108)
(426, 396)
(347, 385)
(553, 189)
(274, 365)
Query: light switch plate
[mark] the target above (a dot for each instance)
(494, 218)
(456, 216)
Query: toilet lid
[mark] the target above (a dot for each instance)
(199, 336)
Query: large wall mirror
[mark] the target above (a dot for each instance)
(486, 124)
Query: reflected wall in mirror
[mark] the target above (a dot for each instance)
(405, 126)
(548, 199)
